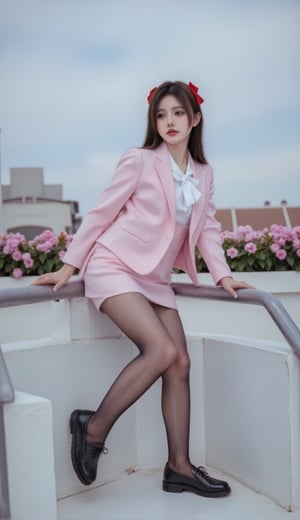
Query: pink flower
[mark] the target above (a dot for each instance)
(48, 238)
(250, 248)
(27, 260)
(232, 252)
(44, 247)
(61, 254)
(296, 243)
(281, 242)
(12, 242)
(17, 272)
(281, 254)
(250, 236)
(275, 228)
(274, 248)
(298, 252)
(16, 256)
(11, 246)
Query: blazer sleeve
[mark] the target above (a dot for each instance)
(110, 202)
(209, 242)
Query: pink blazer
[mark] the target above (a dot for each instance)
(135, 218)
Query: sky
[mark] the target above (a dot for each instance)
(75, 74)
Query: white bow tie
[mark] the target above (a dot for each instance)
(188, 184)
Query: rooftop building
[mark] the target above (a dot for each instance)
(259, 218)
(31, 206)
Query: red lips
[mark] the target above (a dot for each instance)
(172, 132)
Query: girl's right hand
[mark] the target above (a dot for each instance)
(58, 278)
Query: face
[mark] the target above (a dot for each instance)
(172, 121)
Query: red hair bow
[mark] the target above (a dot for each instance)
(151, 94)
(194, 89)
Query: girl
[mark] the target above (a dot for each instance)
(158, 207)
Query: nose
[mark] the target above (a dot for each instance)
(170, 119)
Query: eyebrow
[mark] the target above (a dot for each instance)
(175, 107)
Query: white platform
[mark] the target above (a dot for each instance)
(139, 497)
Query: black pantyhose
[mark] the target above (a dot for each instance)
(176, 396)
(157, 333)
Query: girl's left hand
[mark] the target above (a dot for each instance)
(229, 284)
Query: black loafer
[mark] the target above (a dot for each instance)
(202, 484)
(84, 454)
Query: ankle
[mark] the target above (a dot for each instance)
(184, 467)
(93, 434)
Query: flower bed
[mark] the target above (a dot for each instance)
(43, 254)
(246, 250)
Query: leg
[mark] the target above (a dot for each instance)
(179, 474)
(176, 395)
(135, 316)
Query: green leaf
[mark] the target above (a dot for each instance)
(48, 265)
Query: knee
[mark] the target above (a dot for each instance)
(165, 355)
(181, 365)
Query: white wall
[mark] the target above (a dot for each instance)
(55, 215)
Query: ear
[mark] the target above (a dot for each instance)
(196, 119)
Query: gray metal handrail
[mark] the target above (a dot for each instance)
(13, 297)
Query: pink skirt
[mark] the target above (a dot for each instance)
(106, 275)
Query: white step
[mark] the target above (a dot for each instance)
(30, 458)
(139, 497)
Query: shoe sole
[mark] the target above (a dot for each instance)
(169, 487)
(73, 420)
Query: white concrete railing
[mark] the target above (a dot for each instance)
(287, 326)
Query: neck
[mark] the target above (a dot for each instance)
(180, 155)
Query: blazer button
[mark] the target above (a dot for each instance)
(167, 238)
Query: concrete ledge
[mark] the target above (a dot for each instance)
(30, 458)
(251, 415)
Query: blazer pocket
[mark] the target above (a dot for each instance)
(136, 232)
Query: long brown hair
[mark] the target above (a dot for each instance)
(187, 99)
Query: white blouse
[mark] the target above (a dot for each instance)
(186, 192)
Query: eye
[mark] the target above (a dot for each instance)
(180, 113)
(160, 115)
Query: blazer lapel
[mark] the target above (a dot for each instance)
(163, 168)
(199, 209)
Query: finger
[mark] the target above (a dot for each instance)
(58, 285)
(233, 293)
(45, 279)
(39, 281)
(245, 285)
